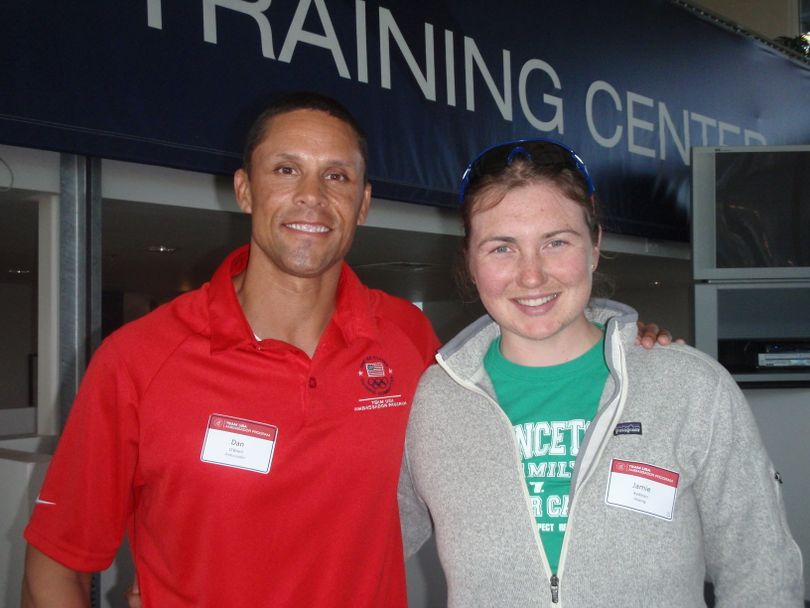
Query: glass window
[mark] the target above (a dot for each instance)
(152, 253)
(804, 19)
(18, 303)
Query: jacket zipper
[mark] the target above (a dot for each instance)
(474, 388)
(554, 582)
(620, 397)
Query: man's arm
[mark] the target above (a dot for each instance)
(133, 594)
(47, 583)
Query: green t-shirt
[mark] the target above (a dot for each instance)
(550, 409)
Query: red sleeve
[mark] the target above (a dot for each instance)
(87, 497)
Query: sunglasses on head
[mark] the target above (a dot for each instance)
(541, 152)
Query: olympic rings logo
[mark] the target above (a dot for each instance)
(375, 375)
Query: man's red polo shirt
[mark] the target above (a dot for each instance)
(246, 473)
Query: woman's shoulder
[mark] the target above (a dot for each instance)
(680, 364)
(435, 378)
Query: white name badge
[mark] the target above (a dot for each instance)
(235, 442)
(642, 487)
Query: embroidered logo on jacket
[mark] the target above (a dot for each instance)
(376, 376)
(627, 428)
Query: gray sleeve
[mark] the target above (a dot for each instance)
(414, 516)
(751, 556)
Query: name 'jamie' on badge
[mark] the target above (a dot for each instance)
(643, 488)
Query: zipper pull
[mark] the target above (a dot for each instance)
(555, 589)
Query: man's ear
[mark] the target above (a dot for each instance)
(364, 205)
(241, 189)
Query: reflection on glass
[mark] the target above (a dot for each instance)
(805, 16)
(152, 253)
(18, 300)
(763, 209)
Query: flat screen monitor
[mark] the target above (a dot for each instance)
(751, 212)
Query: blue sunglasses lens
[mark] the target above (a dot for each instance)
(541, 152)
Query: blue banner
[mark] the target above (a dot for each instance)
(630, 84)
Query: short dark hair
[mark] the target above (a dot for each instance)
(303, 100)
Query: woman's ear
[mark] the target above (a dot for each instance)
(597, 248)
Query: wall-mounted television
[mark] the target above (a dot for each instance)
(751, 212)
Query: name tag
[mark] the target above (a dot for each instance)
(642, 487)
(239, 443)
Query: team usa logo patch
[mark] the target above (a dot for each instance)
(376, 376)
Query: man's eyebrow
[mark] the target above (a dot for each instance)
(496, 237)
(293, 156)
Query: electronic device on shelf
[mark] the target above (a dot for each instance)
(764, 355)
(790, 355)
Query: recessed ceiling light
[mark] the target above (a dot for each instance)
(19, 271)
(161, 249)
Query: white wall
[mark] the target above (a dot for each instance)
(23, 463)
(783, 417)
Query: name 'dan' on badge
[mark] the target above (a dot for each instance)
(239, 443)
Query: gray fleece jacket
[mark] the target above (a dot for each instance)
(674, 408)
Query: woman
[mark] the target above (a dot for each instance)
(558, 462)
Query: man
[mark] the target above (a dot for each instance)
(248, 435)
